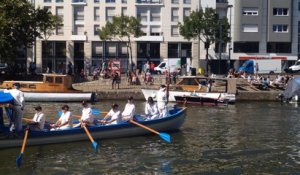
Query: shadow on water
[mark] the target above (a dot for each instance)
(246, 138)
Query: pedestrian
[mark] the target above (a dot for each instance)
(152, 66)
(70, 68)
(115, 80)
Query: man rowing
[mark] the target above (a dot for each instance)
(129, 110)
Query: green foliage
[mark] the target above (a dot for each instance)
(20, 24)
(204, 26)
(122, 27)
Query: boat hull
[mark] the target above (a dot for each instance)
(56, 97)
(173, 122)
(214, 95)
(202, 101)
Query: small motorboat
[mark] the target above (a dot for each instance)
(54, 87)
(200, 100)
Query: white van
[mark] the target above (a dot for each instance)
(172, 63)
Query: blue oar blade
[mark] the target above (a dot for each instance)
(19, 160)
(59, 113)
(95, 145)
(165, 136)
(96, 111)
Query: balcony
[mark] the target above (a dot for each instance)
(78, 2)
(149, 2)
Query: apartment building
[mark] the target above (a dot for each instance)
(264, 29)
(77, 40)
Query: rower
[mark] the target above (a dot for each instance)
(114, 114)
(65, 121)
(129, 110)
(87, 117)
(151, 110)
(38, 121)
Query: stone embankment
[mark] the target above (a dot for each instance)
(104, 90)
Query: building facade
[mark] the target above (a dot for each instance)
(260, 29)
(265, 29)
(77, 40)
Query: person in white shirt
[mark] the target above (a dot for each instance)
(114, 114)
(151, 110)
(87, 117)
(65, 121)
(38, 121)
(129, 110)
(161, 98)
(18, 107)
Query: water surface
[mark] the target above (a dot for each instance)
(246, 138)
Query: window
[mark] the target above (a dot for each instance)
(175, 1)
(47, 1)
(279, 47)
(124, 1)
(124, 11)
(79, 13)
(173, 50)
(96, 1)
(97, 49)
(187, 1)
(250, 11)
(155, 14)
(174, 15)
(111, 49)
(78, 30)
(250, 28)
(110, 1)
(58, 80)
(186, 12)
(174, 31)
(110, 12)
(299, 6)
(142, 14)
(60, 14)
(48, 8)
(155, 30)
(122, 49)
(246, 47)
(280, 11)
(280, 28)
(145, 29)
(96, 13)
(59, 1)
(96, 28)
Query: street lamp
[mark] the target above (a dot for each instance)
(229, 46)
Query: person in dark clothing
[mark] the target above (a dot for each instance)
(70, 68)
(115, 80)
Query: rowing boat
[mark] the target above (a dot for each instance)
(172, 122)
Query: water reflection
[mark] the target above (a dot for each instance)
(247, 138)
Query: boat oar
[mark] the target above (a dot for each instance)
(94, 112)
(19, 158)
(164, 136)
(95, 145)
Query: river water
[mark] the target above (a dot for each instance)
(246, 138)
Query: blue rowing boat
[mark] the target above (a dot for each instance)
(174, 121)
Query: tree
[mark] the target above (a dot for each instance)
(204, 26)
(122, 28)
(19, 26)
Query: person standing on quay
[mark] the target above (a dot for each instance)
(18, 107)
